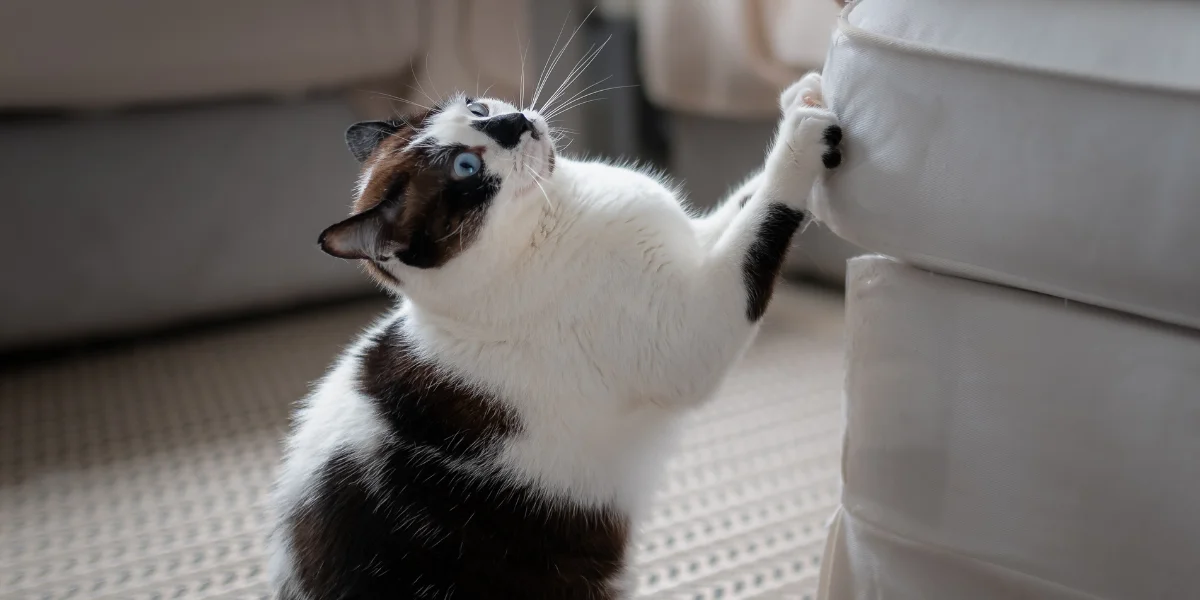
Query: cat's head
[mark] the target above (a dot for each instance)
(450, 186)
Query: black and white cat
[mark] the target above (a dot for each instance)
(499, 434)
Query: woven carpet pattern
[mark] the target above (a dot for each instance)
(139, 472)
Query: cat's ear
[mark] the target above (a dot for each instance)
(362, 138)
(367, 235)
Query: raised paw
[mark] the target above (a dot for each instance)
(804, 93)
(808, 142)
(813, 132)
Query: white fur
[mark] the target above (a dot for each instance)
(334, 417)
(591, 302)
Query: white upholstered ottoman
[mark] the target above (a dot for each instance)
(1025, 424)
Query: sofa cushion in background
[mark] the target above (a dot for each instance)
(174, 209)
(142, 220)
(73, 54)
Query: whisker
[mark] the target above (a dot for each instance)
(449, 235)
(589, 90)
(580, 103)
(399, 99)
(400, 117)
(417, 80)
(429, 76)
(542, 74)
(581, 96)
(577, 71)
(566, 45)
(582, 59)
(549, 205)
(523, 54)
(589, 87)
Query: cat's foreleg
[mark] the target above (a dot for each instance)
(743, 245)
(804, 93)
(710, 227)
(750, 251)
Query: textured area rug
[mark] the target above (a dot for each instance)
(139, 472)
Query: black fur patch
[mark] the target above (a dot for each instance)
(833, 155)
(447, 212)
(765, 257)
(410, 525)
(426, 407)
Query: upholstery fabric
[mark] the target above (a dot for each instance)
(1047, 146)
(1007, 444)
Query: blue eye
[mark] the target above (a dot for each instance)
(466, 164)
(478, 109)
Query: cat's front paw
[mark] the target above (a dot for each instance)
(805, 92)
(816, 131)
(805, 100)
(808, 143)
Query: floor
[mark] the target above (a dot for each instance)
(139, 472)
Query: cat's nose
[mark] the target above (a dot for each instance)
(506, 130)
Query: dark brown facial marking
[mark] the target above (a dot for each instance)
(410, 522)
(412, 209)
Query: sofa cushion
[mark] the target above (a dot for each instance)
(1046, 145)
(157, 218)
(1006, 444)
(121, 51)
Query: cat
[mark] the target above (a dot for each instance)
(499, 434)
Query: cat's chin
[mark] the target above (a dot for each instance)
(537, 169)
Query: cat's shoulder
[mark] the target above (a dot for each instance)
(620, 178)
(621, 192)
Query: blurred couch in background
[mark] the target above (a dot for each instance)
(174, 162)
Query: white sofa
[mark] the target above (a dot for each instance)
(1023, 369)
